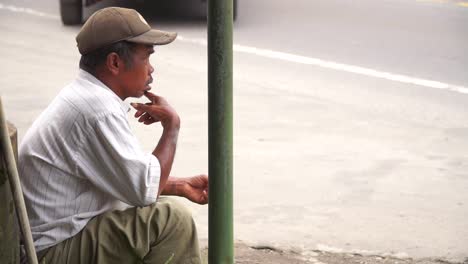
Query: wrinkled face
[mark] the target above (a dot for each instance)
(136, 79)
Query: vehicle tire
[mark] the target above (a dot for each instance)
(234, 10)
(71, 12)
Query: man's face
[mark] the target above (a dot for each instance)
(136, 79)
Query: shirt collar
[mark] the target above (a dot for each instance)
(90, 78)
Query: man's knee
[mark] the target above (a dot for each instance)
(176, 235)
(177, 215)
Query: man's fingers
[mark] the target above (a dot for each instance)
(149, 94)
(152, 97)
(204, 198)
(203, 178)
(142, 118)
(139, 113)
(140, 107)
(150, 121)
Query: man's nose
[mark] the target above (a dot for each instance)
(151, 69)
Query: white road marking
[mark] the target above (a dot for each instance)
(337, 66)
(289, 57)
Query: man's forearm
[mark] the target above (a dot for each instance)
(194, 188)
(165, 152)
(174, 186)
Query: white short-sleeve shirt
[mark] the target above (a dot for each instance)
(79, 159)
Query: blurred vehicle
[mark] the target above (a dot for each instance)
(71, 11)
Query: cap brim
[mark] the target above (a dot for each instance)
(154, 37)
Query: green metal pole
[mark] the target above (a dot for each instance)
(220, 232)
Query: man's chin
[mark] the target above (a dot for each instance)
(140, 94)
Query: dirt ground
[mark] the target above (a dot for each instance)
(245, 254)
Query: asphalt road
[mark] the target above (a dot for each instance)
(350, 116)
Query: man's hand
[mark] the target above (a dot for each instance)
(158, 110)
(193, 188)
(196, 189)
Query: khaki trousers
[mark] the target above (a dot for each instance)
(161, 233)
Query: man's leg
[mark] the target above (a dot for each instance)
(163, 232)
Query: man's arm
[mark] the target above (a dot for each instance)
(165, 152)
(193, 188)
(160, 111)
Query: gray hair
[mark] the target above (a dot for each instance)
(90, 61)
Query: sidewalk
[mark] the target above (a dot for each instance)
(245, 254)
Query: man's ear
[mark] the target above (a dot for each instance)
(113, 63)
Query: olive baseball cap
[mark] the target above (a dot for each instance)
(113, 24)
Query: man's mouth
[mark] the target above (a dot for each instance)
(150, 81)
(148, 87)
